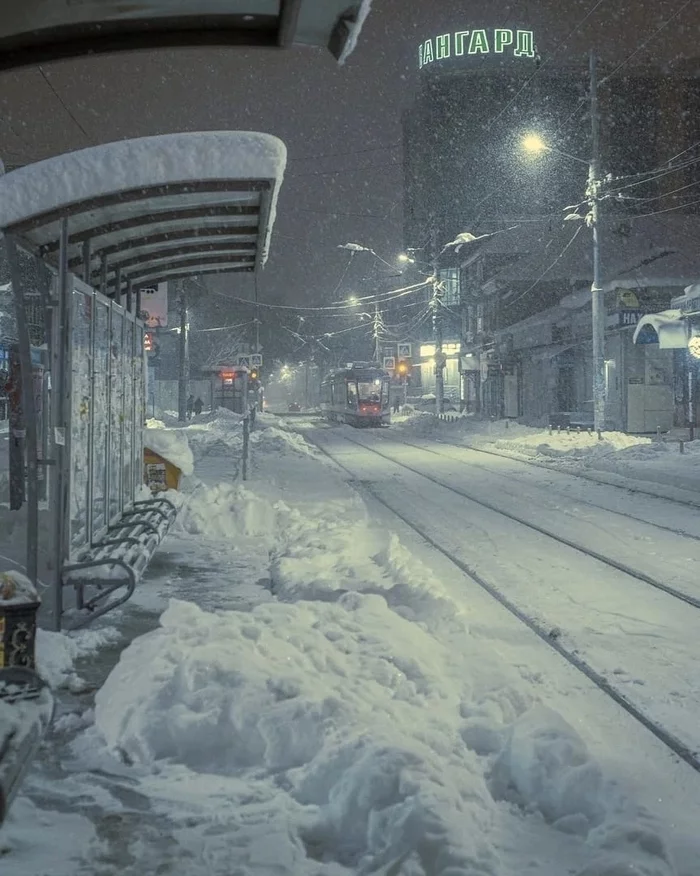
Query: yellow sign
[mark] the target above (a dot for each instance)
(627, 298)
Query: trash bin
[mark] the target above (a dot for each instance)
(19, 604)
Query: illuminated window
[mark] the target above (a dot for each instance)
(427, 351)
(449, 277)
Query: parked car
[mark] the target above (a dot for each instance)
(294, 407)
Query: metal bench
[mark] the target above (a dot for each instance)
(26, 712)
(118, 561)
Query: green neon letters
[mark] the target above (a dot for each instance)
(480, 41)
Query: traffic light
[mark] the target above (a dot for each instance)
(403, 368)
(253, 374)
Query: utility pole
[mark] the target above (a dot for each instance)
(184, 357)
(436, 305)
(376, 332)
(597, 293)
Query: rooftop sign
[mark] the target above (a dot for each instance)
(499, 41)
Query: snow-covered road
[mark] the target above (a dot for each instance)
(314, 690)
(634, 635)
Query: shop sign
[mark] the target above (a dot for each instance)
(497, 42)
(628, 318)
(690, 305)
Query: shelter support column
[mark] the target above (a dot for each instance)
(28, 409)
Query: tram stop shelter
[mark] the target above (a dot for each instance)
(83, 232)
(38, 31)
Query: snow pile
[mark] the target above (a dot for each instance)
(226, 512)
(352, 733)
(41, 842)
(545, 765)
(273, 439)
(291, 691)
(570, 444)
(16, 589)
(57, 653)
(172, 445)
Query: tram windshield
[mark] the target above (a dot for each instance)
(373, 391)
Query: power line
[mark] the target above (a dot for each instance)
(63, 103)
(539, 69)
(635, 216)
(548, 269)
(345, 170)
(386, 148)
(389, 296)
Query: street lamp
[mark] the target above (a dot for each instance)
(534, 144)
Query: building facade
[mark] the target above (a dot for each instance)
(515, 302)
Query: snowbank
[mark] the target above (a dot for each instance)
(57, 653)
(16, 588)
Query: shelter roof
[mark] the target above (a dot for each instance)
(151, 209)
(36, 31)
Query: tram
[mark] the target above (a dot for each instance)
(358, 395)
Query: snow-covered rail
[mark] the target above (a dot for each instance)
(545, 632)
(589, 552)
(511, 477)
(638, 487)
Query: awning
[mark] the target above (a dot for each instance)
(151, 209)
(667, 329)
(36, 31)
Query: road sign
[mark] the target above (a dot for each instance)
(243, 360)
(256, 360)
(389, 363)
(154, 303)
(404, 351)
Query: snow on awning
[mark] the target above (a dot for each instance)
(151, 209)
(36, 31)
(667, 329)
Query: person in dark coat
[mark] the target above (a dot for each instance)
(198, 405)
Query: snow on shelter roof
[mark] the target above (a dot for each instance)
(36, 31)
(153, 208)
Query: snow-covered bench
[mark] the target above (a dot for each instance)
(26, 711)
(118, 561)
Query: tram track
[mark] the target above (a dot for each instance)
(579, 501)
(581, 475)
(589, 552)
(542, 631)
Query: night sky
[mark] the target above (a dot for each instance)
(341, 125)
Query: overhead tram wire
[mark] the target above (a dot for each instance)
(529, 289)
(390, 296)
(544, 63)
(386, 148)
(64, 105)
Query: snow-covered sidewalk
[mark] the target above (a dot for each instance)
(641, 462)
(318, 698)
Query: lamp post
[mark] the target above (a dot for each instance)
(533, 143)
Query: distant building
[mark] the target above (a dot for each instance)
(516, 316)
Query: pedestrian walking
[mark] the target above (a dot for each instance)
(198, 405)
